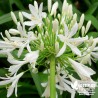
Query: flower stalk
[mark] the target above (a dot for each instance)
(52, 77)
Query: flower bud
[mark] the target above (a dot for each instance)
(70, 12)
(61, 31)
(14, 17)
(59, 16)
(14, 31)
(56, 47)
(83, 30)
(49, 5)
(21, 17)
(81, 21)
(7, 34)
(54, 8)
(55, 25)
(64, 7)
(88, 26)
(75, 17)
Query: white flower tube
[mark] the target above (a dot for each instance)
(14, 81)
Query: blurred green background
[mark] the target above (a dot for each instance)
(27, 88)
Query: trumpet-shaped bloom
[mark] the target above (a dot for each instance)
(36, 15)
(68, 40)
(14, 80)
(83, 71)
(16, 64)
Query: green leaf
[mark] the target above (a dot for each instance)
(2, 55)
(93, 19)
(88, 3)
(2, 72)
(18, 3)
(37, 81)
(93, 34)
(92, 8)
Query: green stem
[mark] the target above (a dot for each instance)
(52, 77)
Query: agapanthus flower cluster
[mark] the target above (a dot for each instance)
(38, 36)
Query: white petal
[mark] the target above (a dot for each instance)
(89, 70)
(96, 49)
(94, 54)
(14, 31)
(6, 51)
(30, 23)
(61, 37)
(28, 48)
(73, 30)
(60, 87)
(14, 68)
(12, 60)
(10, 91)
(74, 49)
(44, 84)
(33, 11)
(27, 15)
(16, 90)
(40, 9)
(36, 6)
(62, 50)
(79, 68)
(79, 40)
(66, 31)
(5, 82)
(21, 50)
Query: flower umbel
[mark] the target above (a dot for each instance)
(55, 43)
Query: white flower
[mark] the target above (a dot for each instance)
(32, 57)
(68, 40)
(8, 45)
(16, 64)
(90, 53)
(62, 83)
(83, 71)
(36, 15)
(24, 39)
(14, 81)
